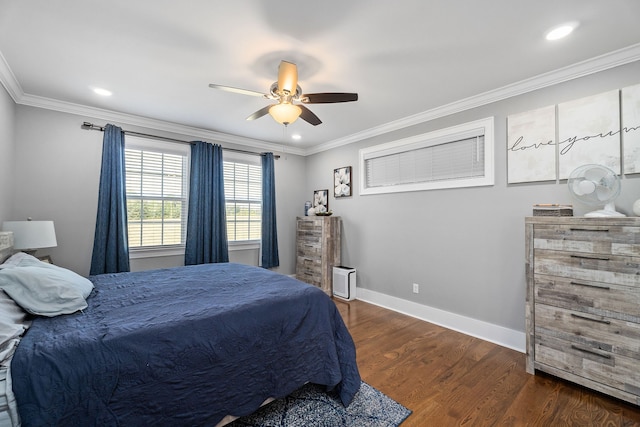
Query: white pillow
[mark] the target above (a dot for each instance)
(42, 288)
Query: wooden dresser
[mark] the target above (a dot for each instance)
(317, 250)
(583, 301)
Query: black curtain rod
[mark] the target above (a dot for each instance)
(91, 126)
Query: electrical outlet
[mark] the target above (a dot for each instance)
(416, 288)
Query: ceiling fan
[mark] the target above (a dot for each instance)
(290, 97)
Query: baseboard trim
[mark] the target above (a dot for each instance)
(500, 335)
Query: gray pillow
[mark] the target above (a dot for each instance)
(13, 323)
(45, 289)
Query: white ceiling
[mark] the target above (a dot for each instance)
(404, 58)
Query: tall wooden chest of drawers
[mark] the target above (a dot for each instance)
(583, 301)
(317, 250)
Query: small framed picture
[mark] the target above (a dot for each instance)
(342, 182)
(321, 201)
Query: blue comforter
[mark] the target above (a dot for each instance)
(181, 346)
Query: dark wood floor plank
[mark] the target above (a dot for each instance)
(450, 379)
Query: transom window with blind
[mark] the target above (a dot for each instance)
(157, 176)
(243, 197)
(459, 156)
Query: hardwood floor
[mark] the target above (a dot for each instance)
(450, 379)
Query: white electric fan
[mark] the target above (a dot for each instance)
(596, 185)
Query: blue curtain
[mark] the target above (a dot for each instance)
(110, 243)
(269, 229)
(206, 221)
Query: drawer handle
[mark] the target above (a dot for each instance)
(589, 285)
(589, 257)
(577, 316)
(605, 230)
(585, 350)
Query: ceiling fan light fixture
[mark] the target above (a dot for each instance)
(285, 91)
(285, 113)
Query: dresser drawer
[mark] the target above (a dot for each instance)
(616, 371)
(589, 331)
(310, 226)
(309, 271)
(311, 279)
(308, 267)
(604, 268)
(587, 238)
(600, 299)
(309, 231)
(310, 235)
(309, 249)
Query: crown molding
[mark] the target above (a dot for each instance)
(148, 123)
(591, 66)
(9, 81)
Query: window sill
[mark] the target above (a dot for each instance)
(244, 246)
(179, 250)
(155, 252)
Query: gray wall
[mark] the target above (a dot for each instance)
(7, 138)
(464, 247)
(57, 168)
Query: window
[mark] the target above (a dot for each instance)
(157, 191)
(459, 156)
(243, 197)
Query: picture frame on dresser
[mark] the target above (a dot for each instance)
(321, 200)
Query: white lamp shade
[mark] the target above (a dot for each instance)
(31, 234)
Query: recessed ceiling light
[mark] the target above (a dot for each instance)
(561, 31)
(296, 137)
(102, 92)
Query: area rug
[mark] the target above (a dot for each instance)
(312, 406)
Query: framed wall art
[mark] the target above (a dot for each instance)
(631, 128)
(589, 132)
(531, 151)
(321, 201)
(342, 182)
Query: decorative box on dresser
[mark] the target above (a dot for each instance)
(317, 250)
(583, 302)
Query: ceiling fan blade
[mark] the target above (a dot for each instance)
(237, 90)
(288, 77)
(308, 116)
(328, 98)
(261, 112)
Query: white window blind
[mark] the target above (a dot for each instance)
(461, 156)
(157, 191)
(243, 199)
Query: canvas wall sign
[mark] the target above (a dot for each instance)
(531, 154)
(550, 142)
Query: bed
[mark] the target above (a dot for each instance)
(180, 346)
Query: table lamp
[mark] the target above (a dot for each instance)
(29, 236)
